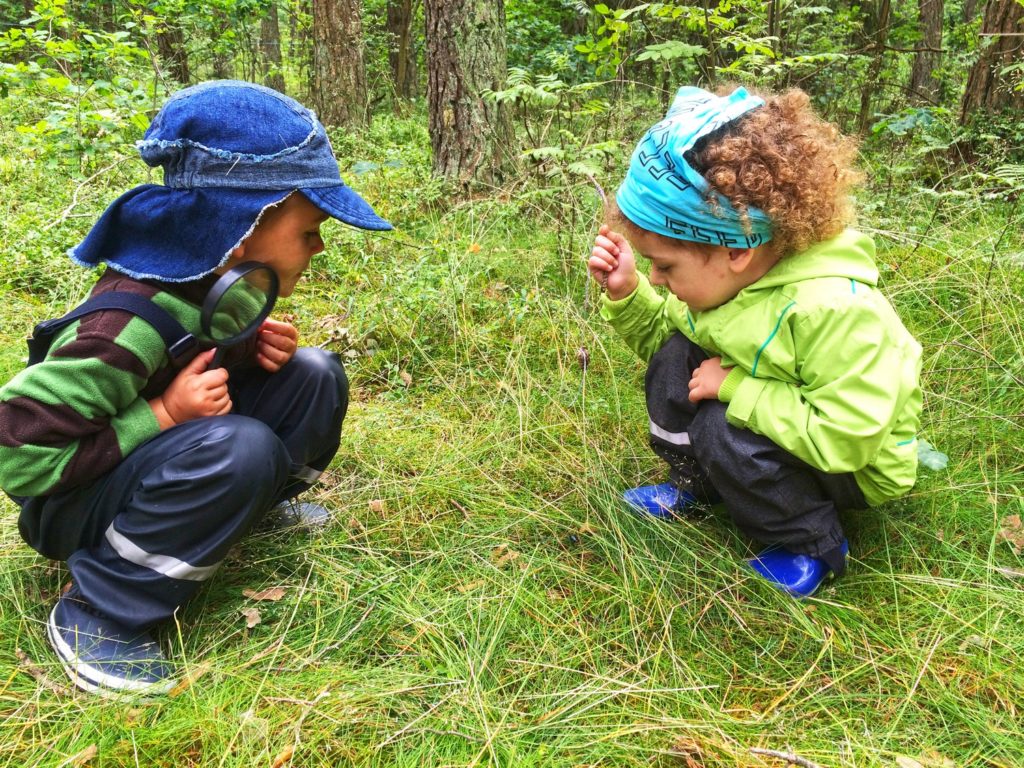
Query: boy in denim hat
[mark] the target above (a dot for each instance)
(141, 471)
(779, 379)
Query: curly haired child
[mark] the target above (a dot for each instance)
(780, 381)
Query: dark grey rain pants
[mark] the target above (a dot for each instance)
(772, 496)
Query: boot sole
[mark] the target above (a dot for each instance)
(88, 678)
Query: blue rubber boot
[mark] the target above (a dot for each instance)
(664, 501)
(102, 656)
(799, 575)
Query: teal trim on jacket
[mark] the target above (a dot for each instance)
(822, 364)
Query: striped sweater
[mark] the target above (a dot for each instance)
(76, 415)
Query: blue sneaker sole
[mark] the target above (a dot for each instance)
(89, 678)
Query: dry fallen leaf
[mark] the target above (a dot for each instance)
(474, 248)
(1012, 532)
(377, 505)
(272, 593)
(502, 554)
(463, 588)
(194, 674)
(84, 756)
(406, 378)
(907, 762)
(690, 751)
(252, 616)
(284, 757)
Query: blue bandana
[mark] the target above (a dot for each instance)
(229, 150)
(662, 193)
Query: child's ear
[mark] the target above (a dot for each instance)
(740, 258)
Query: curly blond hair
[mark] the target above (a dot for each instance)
(785, 160)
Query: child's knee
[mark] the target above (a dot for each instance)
(323, 368)
(247, 451)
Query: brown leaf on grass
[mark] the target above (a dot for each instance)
(196, 672)
(272, 593)
(474, 248)
(377, 505)
(406, 378)
(690, 751)
(1012, 533)
(464, 588)
(83, 757)
(503, 554)
(252, 616)
(283, 757)
(907, 762)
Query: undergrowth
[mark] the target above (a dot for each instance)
(481, 597)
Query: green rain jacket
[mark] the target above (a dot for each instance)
(822, 364)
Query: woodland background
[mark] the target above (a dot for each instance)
(482, 598)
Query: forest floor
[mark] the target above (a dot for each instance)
(482, 597)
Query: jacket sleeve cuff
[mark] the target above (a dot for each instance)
(134, 426)
(639, 304)
(743, 399)
(731, 384)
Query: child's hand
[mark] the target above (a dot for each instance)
(707, 380)
(276, 344)
(194, 393)
(612, 264)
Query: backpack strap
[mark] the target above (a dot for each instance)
(178, 341)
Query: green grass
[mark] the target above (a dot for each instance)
(482, 598)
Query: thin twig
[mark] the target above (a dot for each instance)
(74, 197)
(789, 757)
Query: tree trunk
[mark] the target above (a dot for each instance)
(466, 54)
(339, 71)
(879, 37)
(170, 46)
(270, 49)
(985, 89)
(401, 51)
(924, 86)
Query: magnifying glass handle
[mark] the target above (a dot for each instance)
(218, 359)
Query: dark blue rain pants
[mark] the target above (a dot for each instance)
(142, 539)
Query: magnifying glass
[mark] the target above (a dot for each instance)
(237, 305)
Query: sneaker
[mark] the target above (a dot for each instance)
(102, 656)
(798, 575)
(664, 501)
(292, 513)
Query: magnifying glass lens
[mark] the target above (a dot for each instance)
(238, 309)
(238, 303)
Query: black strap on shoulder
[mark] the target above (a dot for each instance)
(178, 341)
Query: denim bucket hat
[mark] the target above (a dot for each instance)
(230, 150)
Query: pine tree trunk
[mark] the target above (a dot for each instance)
(339, 71)
(170, 46)
(879, 37)
(985, 89)
(270, 49)
(924, 86)
(466, 54)
(401, 51)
